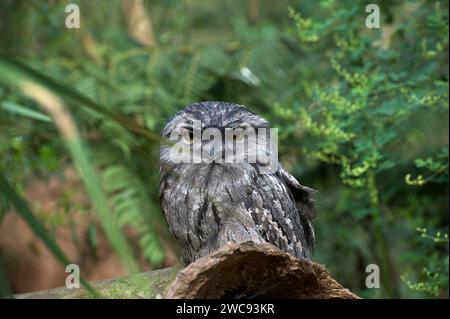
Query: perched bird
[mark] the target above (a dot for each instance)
(209, 203)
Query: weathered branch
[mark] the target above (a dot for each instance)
(148, 285)
(244, 270)
(249, 270)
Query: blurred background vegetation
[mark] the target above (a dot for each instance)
(363, 118)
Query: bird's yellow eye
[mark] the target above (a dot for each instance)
(188, 137)
(238, 136)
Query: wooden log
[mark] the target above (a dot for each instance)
(147, 285)
(248, 270)
(245, 270)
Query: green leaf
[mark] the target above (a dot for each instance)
(24, 111)
(15, 73)
(5, 289)
(22, 208)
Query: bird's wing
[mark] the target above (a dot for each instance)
(305, 202)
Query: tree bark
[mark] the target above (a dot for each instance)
(245, 270)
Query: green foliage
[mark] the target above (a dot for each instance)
(129, 199)
(14, 74)
(38, 229)
(433, 279)
(5, 290)
(363, 116)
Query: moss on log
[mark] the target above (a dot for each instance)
(147, 285)
(245, 270)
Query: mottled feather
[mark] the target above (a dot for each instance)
(209, 204)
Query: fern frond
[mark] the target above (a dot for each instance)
(131, 204)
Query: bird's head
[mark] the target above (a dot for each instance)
(219, 135)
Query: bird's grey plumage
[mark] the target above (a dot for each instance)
(209, 204)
